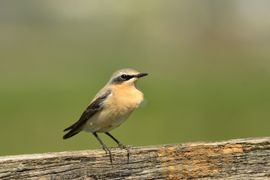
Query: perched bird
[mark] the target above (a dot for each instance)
(110, 107)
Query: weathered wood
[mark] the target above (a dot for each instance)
(234, 159)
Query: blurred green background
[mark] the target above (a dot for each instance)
(209, 66)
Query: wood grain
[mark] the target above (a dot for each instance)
(233, 159)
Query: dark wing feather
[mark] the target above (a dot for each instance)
(92, 109)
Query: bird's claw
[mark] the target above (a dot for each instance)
(108, 151)
(122, 146)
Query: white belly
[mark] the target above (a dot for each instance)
(105, 121)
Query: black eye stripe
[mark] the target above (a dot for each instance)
(125, 76)
(122, 78)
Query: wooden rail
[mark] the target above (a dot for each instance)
(233, 159)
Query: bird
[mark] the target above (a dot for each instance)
(111, 106)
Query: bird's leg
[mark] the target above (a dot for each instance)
(120, 145)
(104, 147)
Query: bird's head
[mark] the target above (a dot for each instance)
(126, 76)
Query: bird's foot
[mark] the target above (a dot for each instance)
(122, 146)
(108, 151)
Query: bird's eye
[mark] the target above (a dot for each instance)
(124, 76)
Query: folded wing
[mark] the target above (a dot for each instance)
(92, 109)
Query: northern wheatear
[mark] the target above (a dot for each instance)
(110, 107)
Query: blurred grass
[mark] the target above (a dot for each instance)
(209, 89)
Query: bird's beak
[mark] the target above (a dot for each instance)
(141, 75)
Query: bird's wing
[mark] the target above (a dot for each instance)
(93, 108)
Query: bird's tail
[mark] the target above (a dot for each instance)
(70, 134)
(73, 130)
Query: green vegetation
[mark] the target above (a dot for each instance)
(211, 88)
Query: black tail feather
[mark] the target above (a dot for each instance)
(70, 134)
(71, 127)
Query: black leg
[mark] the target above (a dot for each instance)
(120, 145)
(105, 148)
